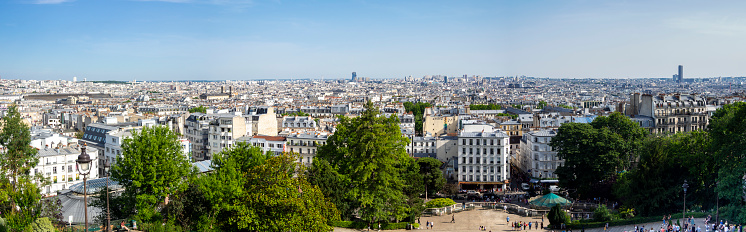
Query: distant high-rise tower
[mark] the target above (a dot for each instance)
(354, 76)
(681, 73)
(75, 79)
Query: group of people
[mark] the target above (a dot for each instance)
(429, 224)
(721, 226)
(524, 225)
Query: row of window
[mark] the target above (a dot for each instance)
(484, 151)
(477, 178)
(94, 138)
(483, 169)
(491, 142)
(53, 179)
(300, 150)
(471, 160)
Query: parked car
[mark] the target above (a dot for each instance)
(473, 193)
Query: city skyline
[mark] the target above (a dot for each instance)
(245, 40)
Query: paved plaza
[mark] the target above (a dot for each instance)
(495, 220)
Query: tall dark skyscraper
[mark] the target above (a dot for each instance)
(354, 76)
(681, 74)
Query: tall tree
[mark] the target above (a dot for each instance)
(151, 168)
(431, 174)
(253, 191)
(665, 162)
(369, 155)
(17, 183)
(334, 187)
(595, 153)
(418, 110)
(727, 128)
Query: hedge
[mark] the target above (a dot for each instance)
(439, 203)
(631, 221)
(363, 225)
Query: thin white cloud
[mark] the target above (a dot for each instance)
(214, 2)
(51, 1)
(710, 25)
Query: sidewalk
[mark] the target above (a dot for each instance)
(496, 221)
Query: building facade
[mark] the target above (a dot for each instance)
(483, 160)
(538, 158)
(58, 166)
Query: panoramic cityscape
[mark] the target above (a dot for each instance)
(192, 115)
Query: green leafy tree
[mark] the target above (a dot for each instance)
(557, 216)
(333, 186)
(418, 110)
(42, 225)
(201, 109)
(151, 168)
(541, 105)
(664, 163)
(484, 107)
(602, 214)
(369, 155)
(727, 128)
(595, 153)
(431, 174)
(254, 191)
(17, 184)
(51, 208)
(413, 188)
(190, 209)
(79, 135)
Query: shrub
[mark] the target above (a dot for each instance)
(3, 226)
(160, 227)
(42, 225)
(558, 216)
(631, 221)
(439, 203)
(602, 214)
(363, 225)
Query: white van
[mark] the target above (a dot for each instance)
(525, 186)
(554, 188)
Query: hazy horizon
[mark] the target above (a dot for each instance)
(244, 40)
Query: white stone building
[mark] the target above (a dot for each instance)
(483, 159)
(538, 159)
(306, 144)
(59, 167)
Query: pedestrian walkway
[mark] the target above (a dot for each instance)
(495, 220)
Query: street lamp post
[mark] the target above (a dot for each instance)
(108, 213)
(84, 167)
(684, 186)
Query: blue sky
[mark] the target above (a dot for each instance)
(256, 39)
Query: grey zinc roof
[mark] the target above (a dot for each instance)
(72, 205)
(484, 134)
(95, 185)
(64, 151)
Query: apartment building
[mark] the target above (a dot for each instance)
(58, 166)
(483, 159)
(671, 113)
(537, 157)
(197, 128)
(438, 123)
(274, 144)
(299, 123)
(223, 132)
(306, 144)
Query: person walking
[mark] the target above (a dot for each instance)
(453, 218)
